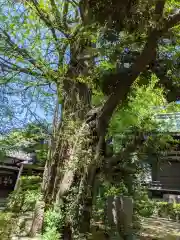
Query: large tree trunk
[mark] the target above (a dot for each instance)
(76, 105)
(78, 181)
(72, 162)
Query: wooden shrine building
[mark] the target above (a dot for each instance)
(14, 165)
(165, 170)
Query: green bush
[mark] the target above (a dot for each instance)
(144, 206)
(53, 223)
(15, 201)
(7, 223)
(25, 197)
(53, 218)
(106, 190)
(51, 233)
(30, 182)
(146, 209)
(29, 200)
(121, 189)
(169, 210)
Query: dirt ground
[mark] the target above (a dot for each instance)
(159, 228)
(152, 229)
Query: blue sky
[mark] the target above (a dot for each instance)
(32, 105)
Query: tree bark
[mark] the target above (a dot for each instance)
(36, 227)
(62, 170)
(86, 197)
(77, 100)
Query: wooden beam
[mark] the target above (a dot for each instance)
(32, 166)
(9, 167)
(18, 177)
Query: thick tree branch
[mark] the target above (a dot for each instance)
(41, 13)
(126, 80)
(55, 10)
(173, 90)
(65, 12)
(84, 11)
(61, 19)
(171, 22)
(130, 148)
(159, 8)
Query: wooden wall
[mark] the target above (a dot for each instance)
(7, 179)
(168, 174)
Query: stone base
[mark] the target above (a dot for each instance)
(171, 198)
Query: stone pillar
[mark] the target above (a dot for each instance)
(171, 198)
(120, 213)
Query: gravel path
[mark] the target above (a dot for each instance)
(159, 228)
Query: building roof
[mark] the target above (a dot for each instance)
(21, 155)
(169, 122)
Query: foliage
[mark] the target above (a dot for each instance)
(168, 210)
(30, 182)
(25, 197)
(51, 233)
(137, 114)
(119, 189)
(144, 206)
(32, 138)
(53, 223)
(19, 201)
(140, 112)
(22, 100)
(7, 223)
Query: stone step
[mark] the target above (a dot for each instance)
(3, 202)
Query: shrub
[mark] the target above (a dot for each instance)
(29, 200)
(170, 210)
(144, 206)
(51, 233)
(53, 223)
(146, 209)
(30, 182)
(15, 201)
(7, 223)
(25, 197)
